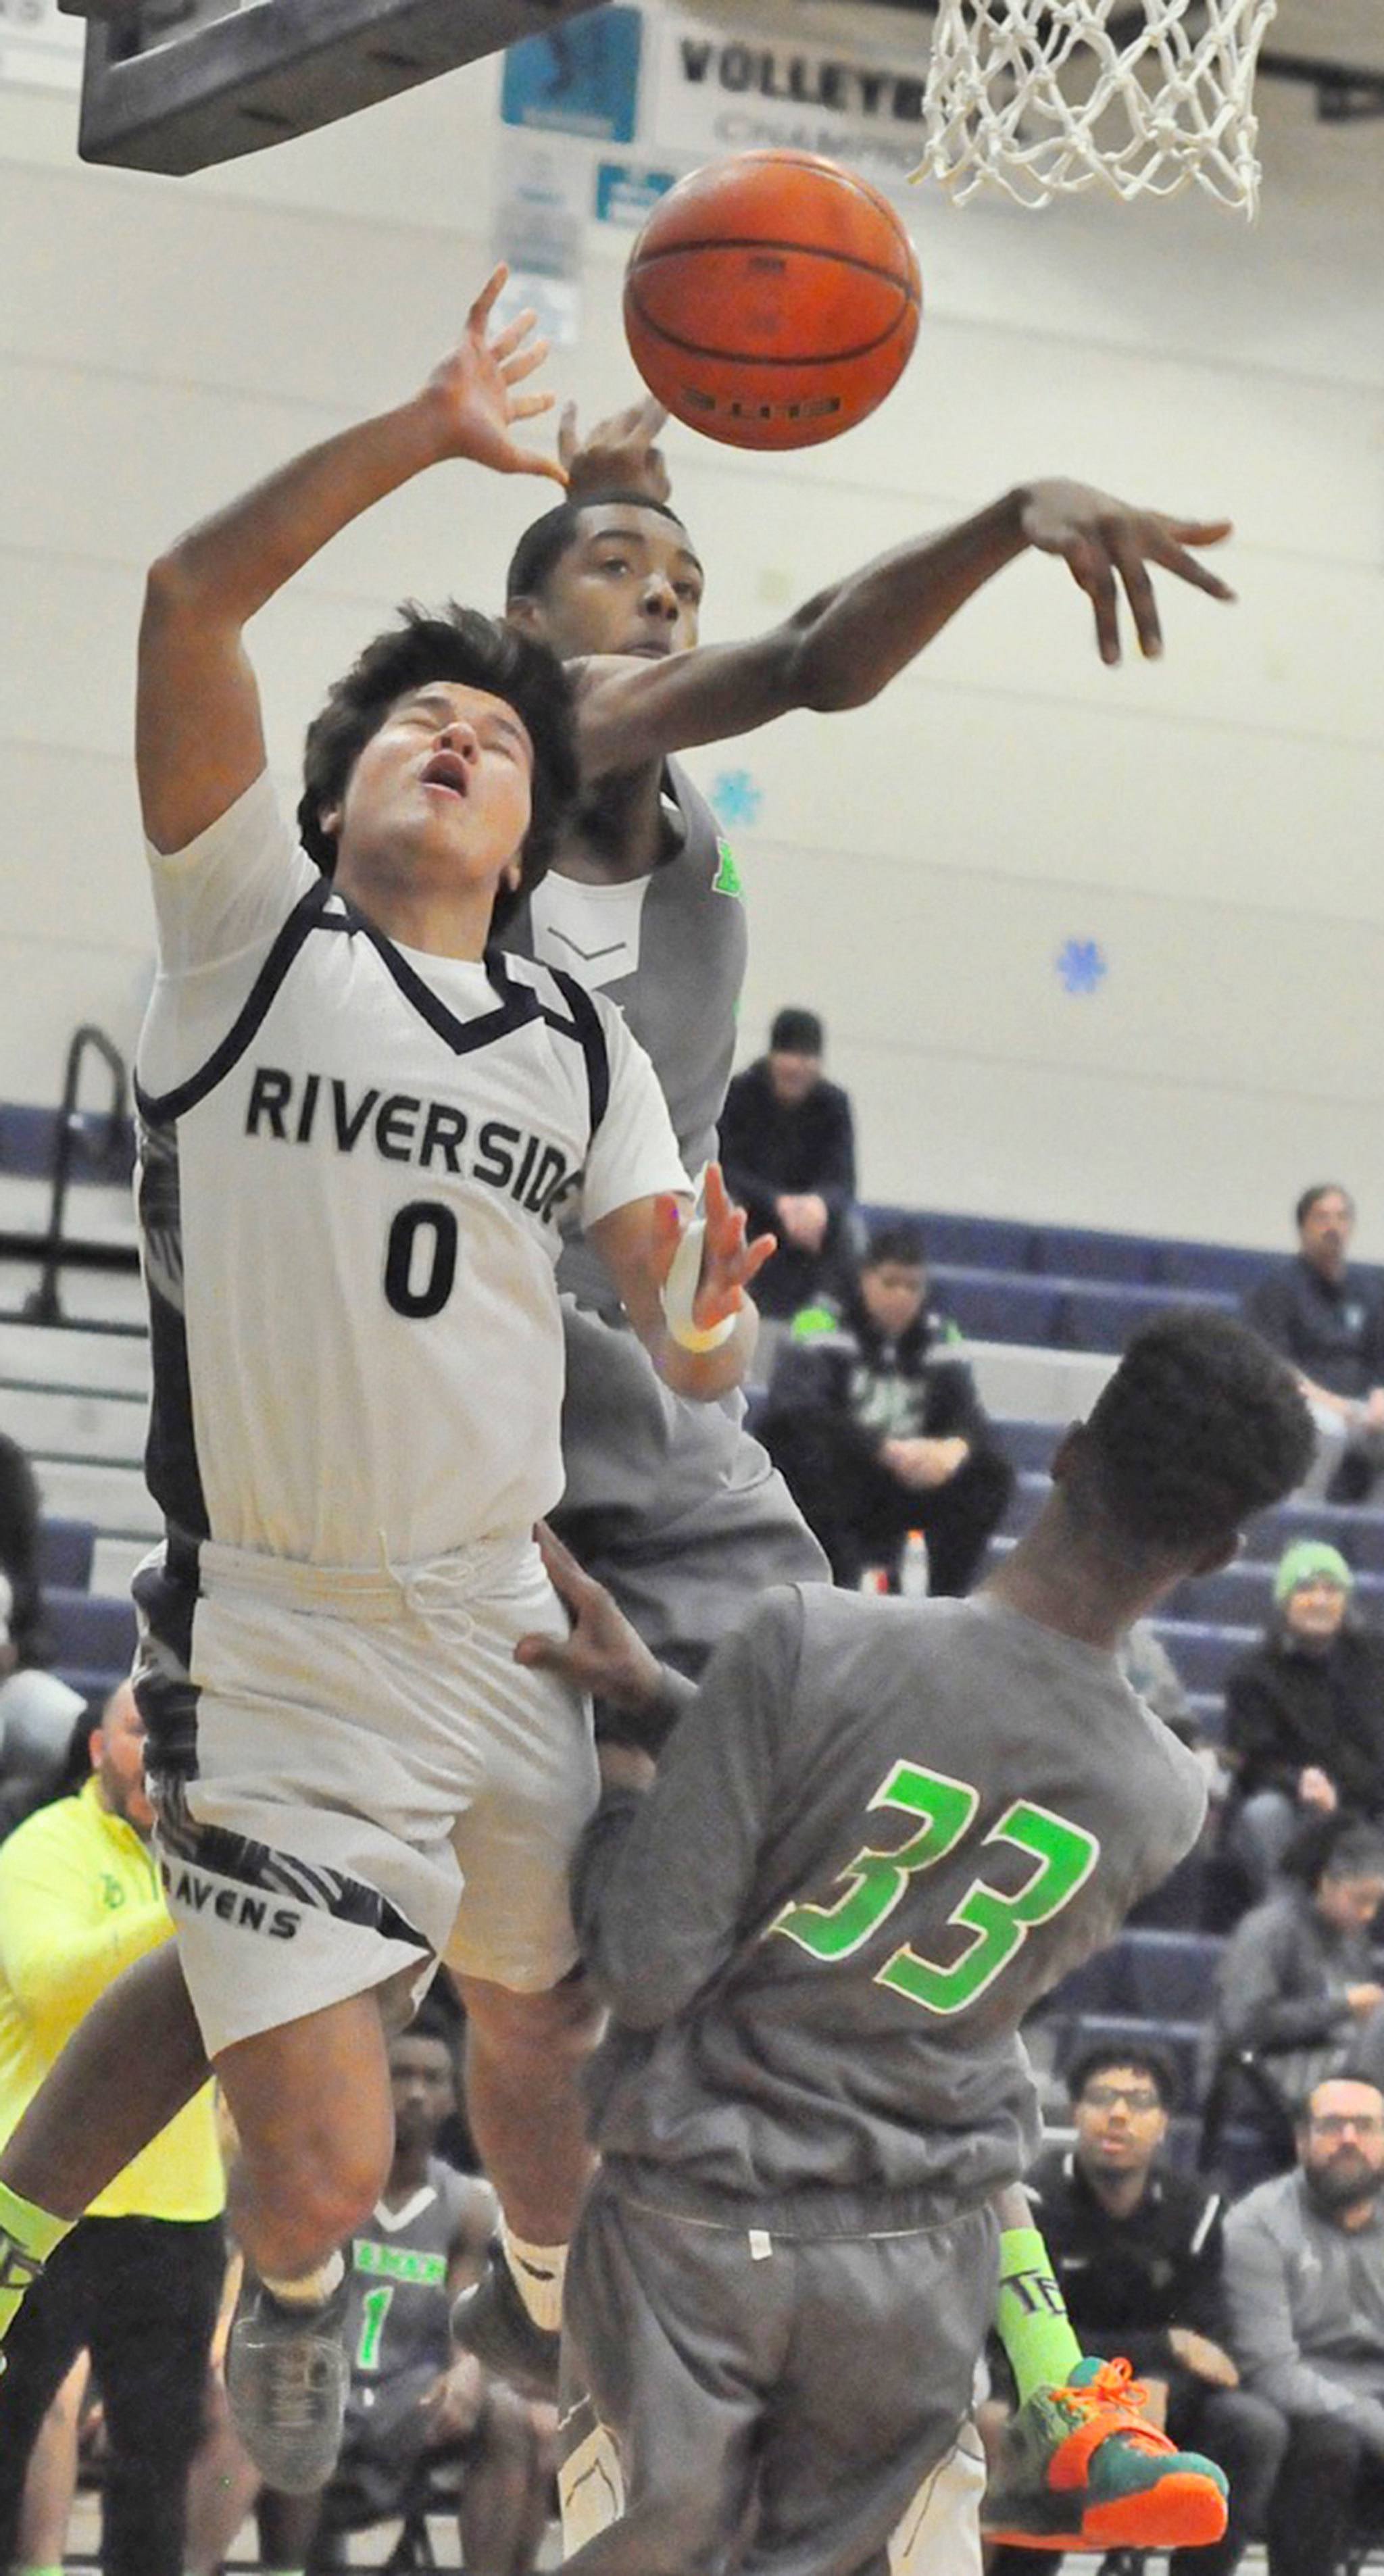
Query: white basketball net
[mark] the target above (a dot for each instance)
(1046, 97)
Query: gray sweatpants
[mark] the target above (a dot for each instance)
(771, 2405)
(673, 1506)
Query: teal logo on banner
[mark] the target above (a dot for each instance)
(627, 195)
(581, 79)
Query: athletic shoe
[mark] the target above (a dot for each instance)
(492, 2321)
(1081, 2467)
(287, 2376)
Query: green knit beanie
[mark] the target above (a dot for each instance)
(1310, 1560)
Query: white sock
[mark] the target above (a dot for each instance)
(307, 2289)
(538, 2272)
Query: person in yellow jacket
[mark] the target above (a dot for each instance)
(138, 2282)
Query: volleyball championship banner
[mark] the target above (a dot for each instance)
(713, 88)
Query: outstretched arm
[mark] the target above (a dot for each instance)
(199, 740)
(843, 646)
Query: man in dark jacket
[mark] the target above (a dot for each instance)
(788, 1151)
(1329, 1321)
(1304, 1712)
(1137, 2249)
(877, 1436)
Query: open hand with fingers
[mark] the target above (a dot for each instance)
(1108, 545)
(618, 456)
(729, 1261)
(473, 390)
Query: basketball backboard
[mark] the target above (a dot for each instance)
(176, 85)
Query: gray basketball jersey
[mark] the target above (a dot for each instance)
(885, 1830)
(398, 2305)
(669, 948)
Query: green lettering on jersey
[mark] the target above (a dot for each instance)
(1064, 1855)
(399, 2262)
(727, 877)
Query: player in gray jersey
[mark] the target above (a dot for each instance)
(880, 1833)
(421, 2418)
(679, 1511)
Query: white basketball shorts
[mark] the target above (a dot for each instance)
(352, 1777)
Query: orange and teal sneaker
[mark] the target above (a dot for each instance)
(1081, 2467)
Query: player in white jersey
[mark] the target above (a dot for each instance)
(359, 1130)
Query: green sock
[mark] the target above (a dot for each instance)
(38, 2571)
(27, 2238)
(1031, 2315)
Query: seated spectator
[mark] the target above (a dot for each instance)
(138, 2282)
(420, 2410)
(1137, 2250)
(1330, 1323)
(1304, 2276)
(788, 1153)
(37, 1711)
(876, 1435)
(1304, 1713)
(1297, 1983)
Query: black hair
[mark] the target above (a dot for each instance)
(896, 1240)
(1341, 1845)
(544, 544)
(1320, 1190)
(431, 2021)
(450, 643)
(1200, 1426)
(20, 1519)
(796, 1032)
(1153, 2062)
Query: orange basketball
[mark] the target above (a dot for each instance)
(772, 300)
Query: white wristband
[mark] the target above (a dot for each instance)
(679, 1292)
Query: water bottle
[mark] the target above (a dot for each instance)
(913, 1567)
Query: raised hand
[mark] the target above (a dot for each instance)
(618, 455)
(729, 1262)
(473, 392)
(1107, 544)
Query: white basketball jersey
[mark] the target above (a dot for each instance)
(355, 1164)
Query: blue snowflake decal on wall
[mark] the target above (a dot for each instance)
(736, 798)
(1082, 965)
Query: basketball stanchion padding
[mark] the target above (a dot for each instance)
(1043, 98)
(772, 299)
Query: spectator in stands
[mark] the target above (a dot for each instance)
(1137, 2251)
(1298, 1984)
(137, 2283)
(788, 1154)
(1304, 2267)
(417, 2404)
(37, 1711)
(1304, 1713)
(1329, 1322)
(877, 1435)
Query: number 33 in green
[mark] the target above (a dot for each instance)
(1064, 1857)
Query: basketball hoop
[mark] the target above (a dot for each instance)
(1046, 97)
